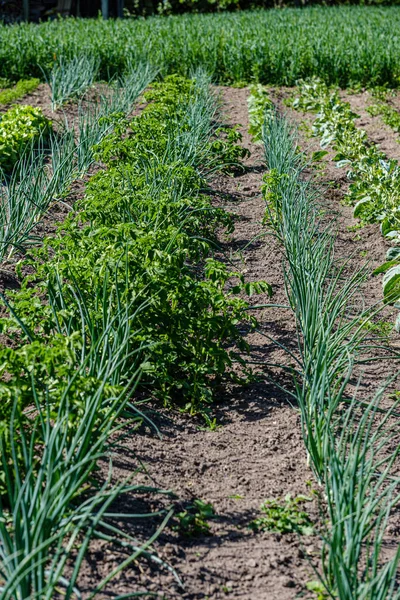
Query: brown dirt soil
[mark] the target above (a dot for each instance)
(393, 99)
(39, 98)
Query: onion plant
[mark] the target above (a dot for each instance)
(351, 449)
(90, 133)
(62, 150)
(52, 506)
(21, 202)
(48, 517)
(125, 89)
(71, 77)
(32, 186)
(362, 446)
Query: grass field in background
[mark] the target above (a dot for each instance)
(343, 45)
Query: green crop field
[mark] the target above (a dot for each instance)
(360, 45)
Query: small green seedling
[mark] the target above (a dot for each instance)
(318, 588)
(354, 228)
(381, 328)
(193, 521)
(284, 516)
(211, 423)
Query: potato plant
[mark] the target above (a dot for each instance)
(374, 179)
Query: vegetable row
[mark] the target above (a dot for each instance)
(352, 443)
(344, 45)
(374, 188)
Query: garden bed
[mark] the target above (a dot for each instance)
(251, 447)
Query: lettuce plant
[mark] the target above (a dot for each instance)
(20, 126)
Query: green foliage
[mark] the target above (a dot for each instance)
(51, 505)
(23, 87)
(381, 328)
(381, 107)
(260, 108)
(319, 155)
(374, 186)
(343, 45)
(20, 126)
(318, 588)
(128, 286)
(143, 233)
(284, 516)
(5, 83)
(193, 521)
(385, 267)
(390, 224)
(391, 283)
(47, 168)
(375, 180)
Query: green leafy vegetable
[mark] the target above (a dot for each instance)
(284, 516)
(20, 126)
